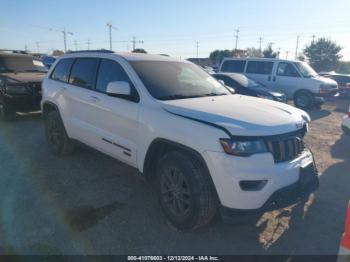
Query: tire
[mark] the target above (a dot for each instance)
(56, 136)
(185, 191)
(7, 113)
(303, 100)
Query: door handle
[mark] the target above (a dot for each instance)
(94, 99)
(269, 78)
(274, 79)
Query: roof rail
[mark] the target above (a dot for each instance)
(90, 51)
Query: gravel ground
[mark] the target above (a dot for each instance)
(88, 203)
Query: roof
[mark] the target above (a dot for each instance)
(127, 56)
(261, 59)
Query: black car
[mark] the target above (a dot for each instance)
(343, 83)
(20, 84)
(247, 86)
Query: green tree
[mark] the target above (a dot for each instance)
(323, 54)
(139, 50)
(269, 53)
(218, 55)
(343, 67)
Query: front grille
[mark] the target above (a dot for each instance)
(286, 147)
(35, 88)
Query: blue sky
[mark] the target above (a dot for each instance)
(173, 27)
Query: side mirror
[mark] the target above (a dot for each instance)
(222, 82)
(231, 89)
(118, 88)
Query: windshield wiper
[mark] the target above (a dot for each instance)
(215, 94)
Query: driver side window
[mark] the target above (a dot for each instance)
(287, 69)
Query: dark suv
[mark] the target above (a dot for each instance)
(20, 84)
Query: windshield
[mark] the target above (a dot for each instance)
(305, 69)
(177, 80)
(15, 64)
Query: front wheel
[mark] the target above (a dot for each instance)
(303, 100)
(185, 191)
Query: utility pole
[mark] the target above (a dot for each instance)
(64, 32)
(278, 52)
(76, 45)
(313, 38)
(110, 27)
(25, 48)
(37, 47)
(287, 52)
(237, 37)
(134, 43)
(260, 41)
(197, 47)
(88, 44)
(297, 47)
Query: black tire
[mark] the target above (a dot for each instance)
(7, 113)
(56, 136)
(304, 100)
(185, 191)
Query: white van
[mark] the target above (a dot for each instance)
(294, 78)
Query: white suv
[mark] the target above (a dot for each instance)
(208, 150)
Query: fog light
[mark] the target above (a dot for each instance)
(252, 185)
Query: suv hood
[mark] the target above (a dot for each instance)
(326, 80)
(25, 77)
(241, 115)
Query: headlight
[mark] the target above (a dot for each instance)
(16, 89)
(243, 148)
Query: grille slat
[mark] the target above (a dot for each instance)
(285, 148)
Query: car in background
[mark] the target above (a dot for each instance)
(246, 86)
(346, 123)
(294, 78)
(343, 83)
(20, 84)
(48, 60)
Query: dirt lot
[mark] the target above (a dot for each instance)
(88, 203)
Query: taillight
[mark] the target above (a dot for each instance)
(347, 85)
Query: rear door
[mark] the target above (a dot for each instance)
(260, 71)
(79, 99)
(285, 79)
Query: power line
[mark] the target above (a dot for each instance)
(134, 42)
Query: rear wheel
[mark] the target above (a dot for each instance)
(58, 141)
(185, 191)
(7, 113)
(303, 100)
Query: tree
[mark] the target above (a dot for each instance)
(269, 53)
(323, 54)
(139, 50)
(218, 55)
(343, 67)
(253, 52)
(57, 53)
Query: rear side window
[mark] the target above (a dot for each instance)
(259, 67)
(84, 72)
(62, 69)
(233, 66)
(110, 71)
(287, 69)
